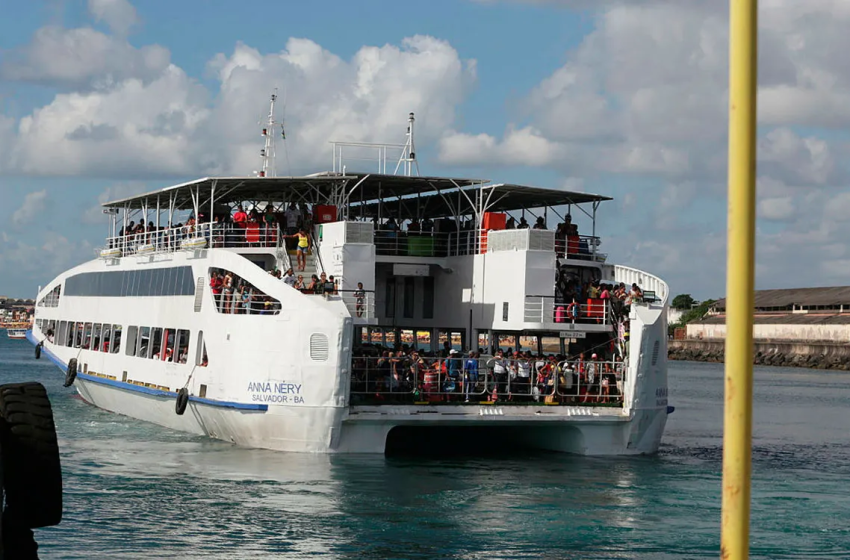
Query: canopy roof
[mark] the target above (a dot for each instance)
(398, 196)
(310, 188)
(492, 198)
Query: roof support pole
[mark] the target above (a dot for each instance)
(740, 280)
(212, 202)
(157, 212)
(593, 231)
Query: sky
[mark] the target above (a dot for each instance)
(101, 99)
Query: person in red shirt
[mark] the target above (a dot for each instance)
(240, 218)
(215, 285)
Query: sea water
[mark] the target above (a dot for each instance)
(135, 490)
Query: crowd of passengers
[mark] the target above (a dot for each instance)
(406, 374)
(235, 228)
(235, 295)
(567, 239)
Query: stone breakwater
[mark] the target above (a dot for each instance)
(817, 355)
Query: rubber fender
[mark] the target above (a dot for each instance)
(38, 350)
(32, 476)
(182, 401)
(71, 373)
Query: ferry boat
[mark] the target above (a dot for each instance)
(16, 333)
(426, 294)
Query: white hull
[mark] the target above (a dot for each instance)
(318, 418)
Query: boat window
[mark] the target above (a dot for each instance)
(144, 342)
(115, 345)
(87, 336)
(235, 295)
(62, 335)
(409, 297)
(169, 281)
(52, 298)
(182, 346)
(95, 344)
(132, 339)
(428, 297)
(74, 337)
(106, 337)
(201, 358)
(156, 344)
(389, 299)
(169, 336)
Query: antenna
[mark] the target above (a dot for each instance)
(268, 151)
(408, 152)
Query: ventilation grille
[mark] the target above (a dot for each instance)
(319, 347)
(655, 348)
(199, 294)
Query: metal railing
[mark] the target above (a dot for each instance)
(546, 309)
(360, 303)
(429, 244)
(579, 247)
(189, 237)
(415, 379)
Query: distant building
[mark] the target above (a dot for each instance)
(804, 314)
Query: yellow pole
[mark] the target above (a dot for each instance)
(738, 412)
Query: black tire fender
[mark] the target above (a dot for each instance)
(38, 350)
(182, 401)
(32, 476)
(71, 373)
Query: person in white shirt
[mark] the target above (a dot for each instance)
(500, 372)
(292, 215)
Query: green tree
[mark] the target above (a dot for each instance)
(683, 301)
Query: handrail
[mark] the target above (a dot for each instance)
(281, 246)
(317, 252)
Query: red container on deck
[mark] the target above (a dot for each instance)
(494, 220)
(491, 221)
(595, 307)
(324, 214)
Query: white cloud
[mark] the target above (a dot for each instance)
(94, 214)
(33, 206)
(82, 58)
(776, 209)
(119, 15)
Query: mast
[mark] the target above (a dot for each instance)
(408, 152)
(268, 151)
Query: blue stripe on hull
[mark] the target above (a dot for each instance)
(145, 390)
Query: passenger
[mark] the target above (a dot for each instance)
(299, 283)
(302, 248)
(540, 224)
(523, 376)
(289, 278)
(359, 300)
(470, 375)
(246, 300)
(311, 287)
(292, 216)
(240, 218)
(227, 290)
(500, 372)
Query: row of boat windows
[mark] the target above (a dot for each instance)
(52, 298)
(157, 343)
(171, 281)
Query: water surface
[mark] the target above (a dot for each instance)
(134, 490)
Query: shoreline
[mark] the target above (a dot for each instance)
(780, 353)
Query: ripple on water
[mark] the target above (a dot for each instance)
(133, 490)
